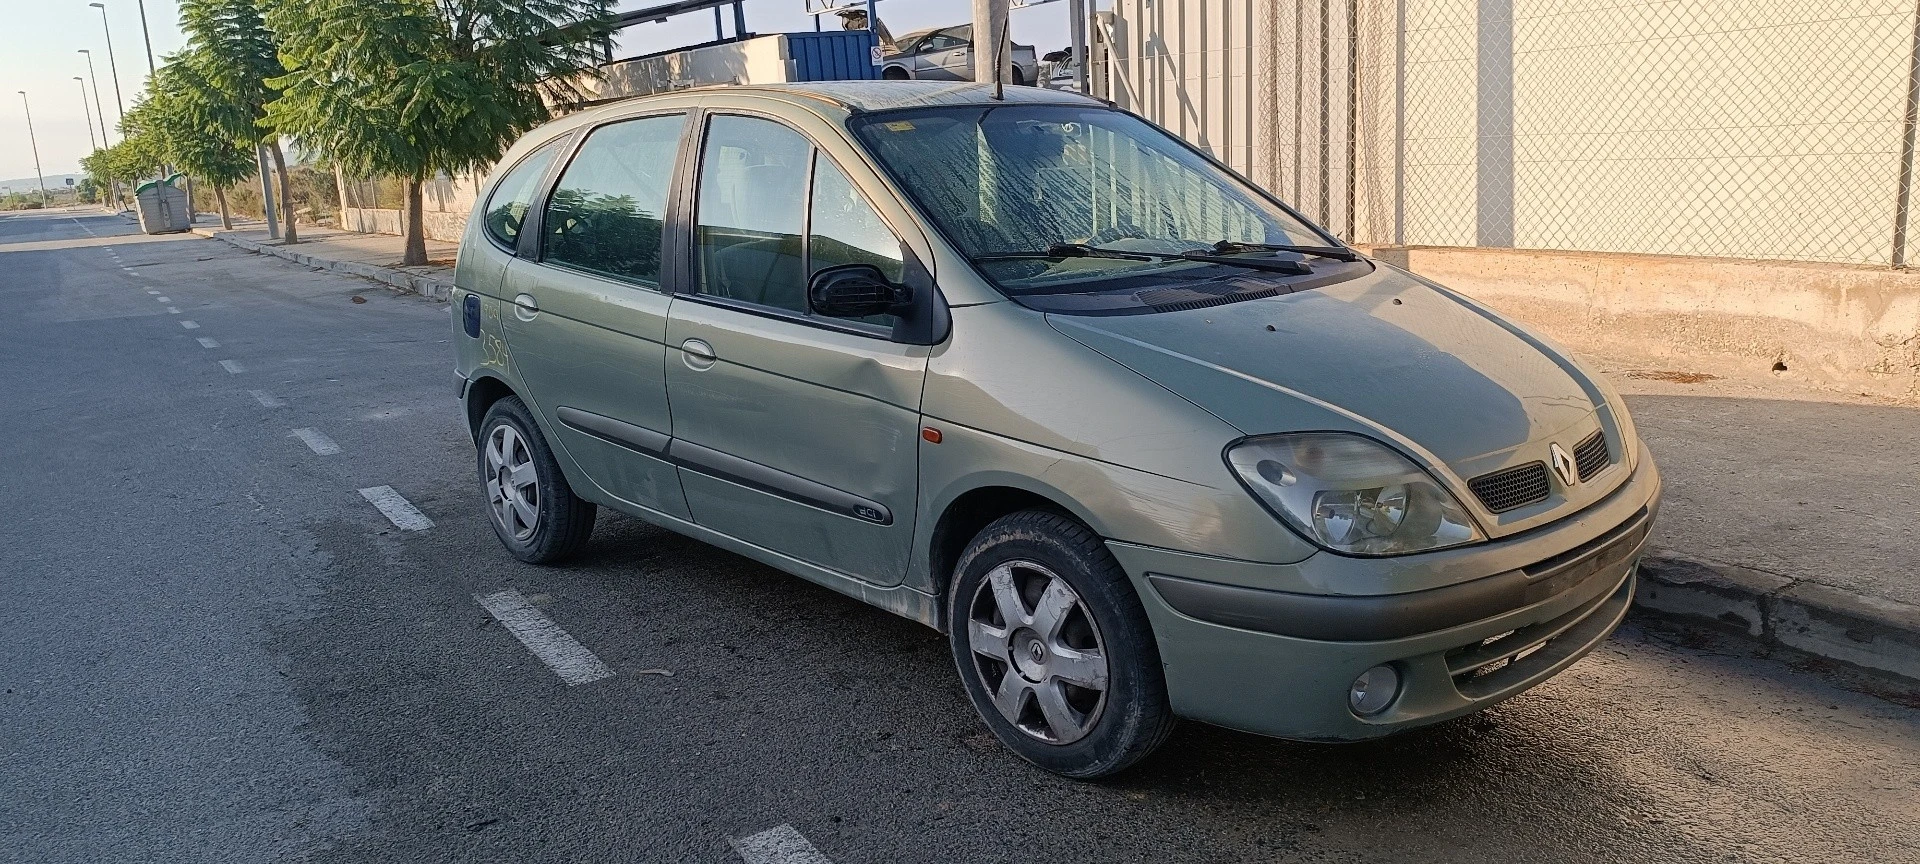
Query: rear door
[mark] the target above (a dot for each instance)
(588, 319)
(793, 432)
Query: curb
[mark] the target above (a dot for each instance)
(1867, 632)
(425, 286)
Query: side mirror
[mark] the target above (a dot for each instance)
(855, 291)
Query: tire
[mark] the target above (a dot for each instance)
(895, 73)
(1042, 665)
(512, 452)
(1018, 78)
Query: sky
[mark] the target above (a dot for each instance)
(40, 42)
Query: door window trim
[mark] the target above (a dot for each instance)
(910, 258)
(537, 253)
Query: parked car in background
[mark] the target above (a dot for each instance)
(1142, 440)
(946, 54)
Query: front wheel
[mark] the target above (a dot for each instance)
(1054, 648)
(533, 510)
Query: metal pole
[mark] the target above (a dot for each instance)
(146, 36)
(989, 24)
(719, 28)
(1400, 123)
(1902, 202)
(87, 111)
(97, 110)
(1353, 116)
(113, 68)
(266, 193)
(1077, 23)
(1326, 134)
(739, 21)
(35, 142)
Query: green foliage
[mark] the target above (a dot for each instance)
(416, 87)
(194, 124)
(136, 157)
(233, 52)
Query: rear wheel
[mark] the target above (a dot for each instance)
(533, 510)
(895, 73)
(1054, 648)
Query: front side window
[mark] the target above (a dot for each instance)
(507, 206)
(844, 229)
(606, 212)
(751, 214)
(1007, 183)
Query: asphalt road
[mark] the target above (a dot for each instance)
(214, 648)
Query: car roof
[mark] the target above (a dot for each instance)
(860, 96)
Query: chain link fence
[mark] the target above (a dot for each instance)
(1728, 128)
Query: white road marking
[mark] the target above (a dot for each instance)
(319, 443)
(565, 655)
(153, 292)
(403, 515)
(190, 325)
(163, 299)
(267, 400)
(232, 367)
(172, 311)
(780, 845)
(208, 343)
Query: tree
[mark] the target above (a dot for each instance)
(413, 88)
(136, 156)
(197, 127)
(232, 47)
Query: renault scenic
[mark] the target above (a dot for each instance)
(1141, 440)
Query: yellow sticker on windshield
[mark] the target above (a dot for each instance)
(900, 126)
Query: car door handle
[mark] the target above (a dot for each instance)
(698, 355)
(525, 307)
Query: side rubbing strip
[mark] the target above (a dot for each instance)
(614, 431)
(694, 457)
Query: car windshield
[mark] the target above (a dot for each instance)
(1039, 196)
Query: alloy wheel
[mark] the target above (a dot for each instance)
(513, 484)
(1037, 652)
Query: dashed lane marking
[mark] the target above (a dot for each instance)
(267, 400)
(208, 343)
(403, 515)
(318, 442)
(153, 292)
(164, 299)
(780, 845)
(172, 311)
(232, 367)
(190, 325)
(555, 647)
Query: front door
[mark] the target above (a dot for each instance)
(587, 324)
(793, 432)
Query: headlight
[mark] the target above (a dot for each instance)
(1351, 494)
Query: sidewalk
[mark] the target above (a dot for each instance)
(371, 256)
(1791, 513)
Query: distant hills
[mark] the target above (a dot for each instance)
(28, 184)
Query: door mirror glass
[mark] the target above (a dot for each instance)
(855, 291)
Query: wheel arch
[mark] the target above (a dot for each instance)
(482, 392)
(971, 511)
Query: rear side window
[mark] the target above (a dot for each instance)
(606, 212)
(507, 207)
(752, 211)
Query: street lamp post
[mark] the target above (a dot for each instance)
(85, 109)
(97, 110)
(113, 68)
(147, 37)
(44, 200)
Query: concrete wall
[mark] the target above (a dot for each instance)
(439, 225)
(1844, 327)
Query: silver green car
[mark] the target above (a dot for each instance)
(1143, 441)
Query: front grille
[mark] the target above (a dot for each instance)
(1591, 455)
(1509, 488)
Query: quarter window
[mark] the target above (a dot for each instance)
(507, 206)
(606, 212)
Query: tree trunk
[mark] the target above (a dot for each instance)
(226, 217)
(290, 235)
(416, 228)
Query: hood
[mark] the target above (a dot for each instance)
(1384, 354)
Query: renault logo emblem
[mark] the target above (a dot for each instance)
(1563, 466)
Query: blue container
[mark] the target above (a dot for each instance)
(833, 55)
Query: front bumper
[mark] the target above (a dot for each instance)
(1281, 663)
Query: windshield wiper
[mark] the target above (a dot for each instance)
(1083, 250)
(1337, 253)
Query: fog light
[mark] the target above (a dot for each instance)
(1374, 690)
